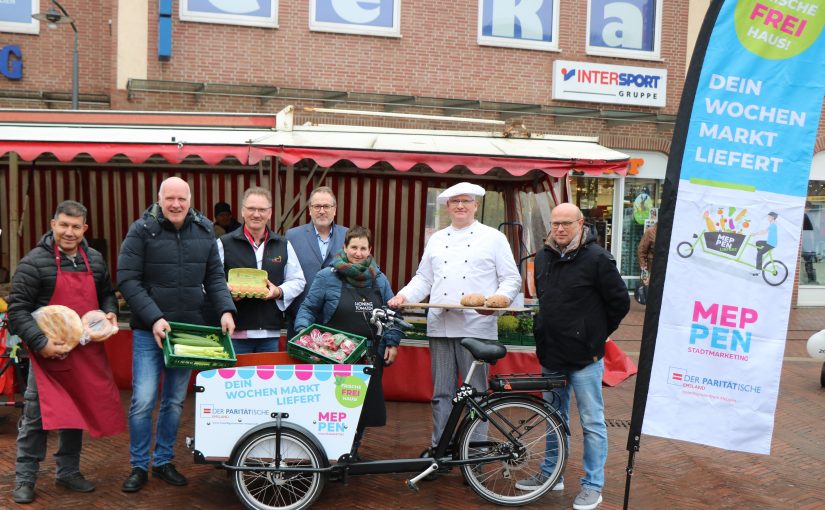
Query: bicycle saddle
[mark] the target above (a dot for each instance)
(484, 350)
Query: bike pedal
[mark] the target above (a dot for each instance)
(412, 485)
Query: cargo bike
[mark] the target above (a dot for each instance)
(733, 246)
(283, 431)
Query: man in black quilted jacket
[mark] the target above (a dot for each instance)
(582, 300)
(167, 266)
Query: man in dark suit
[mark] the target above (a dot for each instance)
(316, 242)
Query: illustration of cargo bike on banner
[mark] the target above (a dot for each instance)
(728, 236)
(283, 431)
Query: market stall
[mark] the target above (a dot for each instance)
(113, 162)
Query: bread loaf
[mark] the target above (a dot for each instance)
(497, 301)
(60, 323)
(472, 299)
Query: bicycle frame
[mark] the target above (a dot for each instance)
(700, 240)
(465, 397)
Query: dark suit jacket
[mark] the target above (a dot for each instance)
(305, 244)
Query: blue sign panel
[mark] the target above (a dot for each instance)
(16, 16)
(368, 17)
(531, 24)
(624, 27)
(262, 13)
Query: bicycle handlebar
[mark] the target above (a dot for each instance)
(386, 317)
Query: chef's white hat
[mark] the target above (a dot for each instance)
(462, 188)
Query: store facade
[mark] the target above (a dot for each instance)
(608, 70)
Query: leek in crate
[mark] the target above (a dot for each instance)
(196, 346)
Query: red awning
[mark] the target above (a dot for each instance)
(440, 163)
(137, 152)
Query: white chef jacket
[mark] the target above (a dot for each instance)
(458, 261)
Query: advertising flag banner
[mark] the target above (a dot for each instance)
(743, 151)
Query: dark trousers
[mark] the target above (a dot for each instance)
(762, 247)
(31, 442)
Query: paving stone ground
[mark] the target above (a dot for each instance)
(668, 474)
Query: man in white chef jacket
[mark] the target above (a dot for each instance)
(465, 257)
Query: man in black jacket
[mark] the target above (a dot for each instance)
(254, 245)
(63, 270)
(582, 300)
(167, 265)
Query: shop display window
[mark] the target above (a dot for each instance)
(812, 255)
(594, 196)
(642, 198)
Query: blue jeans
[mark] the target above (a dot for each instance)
(252, 345)
(587, 384)
(147, 369)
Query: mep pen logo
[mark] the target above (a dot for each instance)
(676, 376)
(206, 410)
(567, 74)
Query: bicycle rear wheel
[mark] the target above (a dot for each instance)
(267, 490)
(537, 433)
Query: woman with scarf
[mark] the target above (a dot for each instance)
(342, 297)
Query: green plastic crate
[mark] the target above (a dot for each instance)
(172, 360)
(310, 356)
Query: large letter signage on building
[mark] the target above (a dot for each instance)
(741, 159)
(11, 62)
(256, 13)
(624, 28)
(16, 16)
(604, 83)
(528, 24)
(364, 17)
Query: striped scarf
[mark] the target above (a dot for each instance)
(358, 275)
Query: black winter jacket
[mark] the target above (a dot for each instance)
(582, 300)
(166, 273)
(34, 281)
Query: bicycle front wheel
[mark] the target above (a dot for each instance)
(268, 490)
(529, 434)
(774, 272)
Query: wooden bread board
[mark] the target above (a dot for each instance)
(462, 307)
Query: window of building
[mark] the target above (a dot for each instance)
(624, 28)
(642, 198)
(812, 255)
(379, 17)
(527, 25)
(594, 196)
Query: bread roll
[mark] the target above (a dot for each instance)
(97, 326)
(472, 299)
(497, 301)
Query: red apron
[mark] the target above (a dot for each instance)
(78, 392)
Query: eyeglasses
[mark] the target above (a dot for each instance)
(257, 210)
(321, 207)
(563, 224)
(464, 203)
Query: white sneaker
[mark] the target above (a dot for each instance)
(536, 481)
(588, 499)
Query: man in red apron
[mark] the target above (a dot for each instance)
(66, 392)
